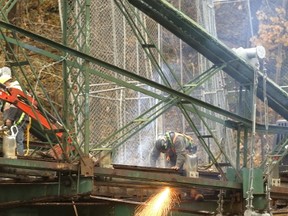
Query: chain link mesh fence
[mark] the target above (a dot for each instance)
(113, 40)
(122, 36)
(113, 106)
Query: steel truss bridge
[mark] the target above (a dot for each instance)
(75, 184)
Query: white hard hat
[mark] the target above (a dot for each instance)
(5, 71)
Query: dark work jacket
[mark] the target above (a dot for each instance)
(176, 152)
(14, 114)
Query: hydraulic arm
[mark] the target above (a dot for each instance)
(28, 105)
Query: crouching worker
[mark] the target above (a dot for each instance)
(12, 116)
(175, 146)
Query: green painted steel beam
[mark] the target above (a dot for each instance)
(274, 129)
(232, 124)
(126, 73)
(166, 179)
(198, 38)
(7, 7)
(185, 98)
(38, 165)
(21, 193)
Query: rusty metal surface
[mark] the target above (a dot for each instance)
(19, 173)
(87, 166)
(165, 178)
(279, 192)
(202, 173)
(280, 212)
(37, 165)
(142, 168)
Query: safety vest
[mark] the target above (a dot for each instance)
(188, 138)
(172, 142)
(20, 119)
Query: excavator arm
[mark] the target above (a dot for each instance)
(29, 106)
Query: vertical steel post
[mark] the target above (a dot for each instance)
(87, 78)
(245, 157)
(64, 68)
(76, 33)
(238, 148)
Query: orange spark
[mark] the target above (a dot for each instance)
(159, 204)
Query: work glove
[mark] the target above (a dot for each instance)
(175, 167)
(4, 128)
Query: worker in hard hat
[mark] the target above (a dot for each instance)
(12, 116)
(175, 146)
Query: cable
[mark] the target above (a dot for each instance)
(28, 136)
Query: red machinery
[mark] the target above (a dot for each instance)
(27, 104)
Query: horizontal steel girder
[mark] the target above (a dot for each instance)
(21, 193)
(166, 179)
(38, 165)
(199, 39)
(185, 98)
(173, 92)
